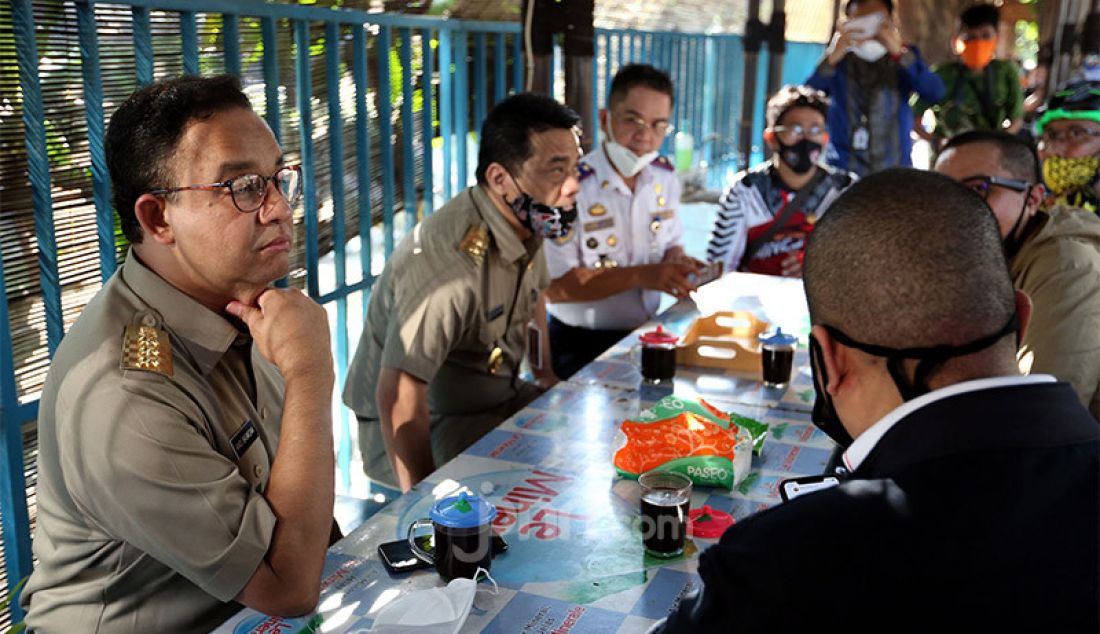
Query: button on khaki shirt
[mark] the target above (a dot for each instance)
(440, 308)
(150, 508)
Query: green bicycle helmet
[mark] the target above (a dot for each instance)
(1079, 100)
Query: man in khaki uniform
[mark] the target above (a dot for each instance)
(1053, 255)
(438, 364)
(185, 458)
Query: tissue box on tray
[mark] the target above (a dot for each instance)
(712, 447)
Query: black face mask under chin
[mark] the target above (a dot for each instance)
(929, 359)
(540, 219)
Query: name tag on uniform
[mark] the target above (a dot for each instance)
(244, 438)
(496, 312)
(599, 224)
(664, 214)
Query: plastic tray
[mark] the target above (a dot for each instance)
(726, 340)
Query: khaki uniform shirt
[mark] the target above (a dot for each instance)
(154, 450)
(455, 296)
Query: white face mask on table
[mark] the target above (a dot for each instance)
(432, 611)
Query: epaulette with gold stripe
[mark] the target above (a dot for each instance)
(146, 348)
(475, 243)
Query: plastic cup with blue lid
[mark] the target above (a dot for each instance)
(463, 533)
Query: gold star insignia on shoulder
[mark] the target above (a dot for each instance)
(147, 349)
(584, 170)
(475, 243)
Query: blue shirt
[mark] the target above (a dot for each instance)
(892, 112)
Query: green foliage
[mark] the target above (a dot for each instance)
(317, 48)
(1027, 40)
(396, 76)
(441, 7)
(6, 601)
(122, 243)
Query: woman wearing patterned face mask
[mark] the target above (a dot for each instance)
(870, 74)
(983, 93)
(1069, 145)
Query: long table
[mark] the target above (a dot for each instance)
(575, 561)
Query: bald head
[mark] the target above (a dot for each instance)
(906, 258)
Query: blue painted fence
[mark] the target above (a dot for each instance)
(451, 73)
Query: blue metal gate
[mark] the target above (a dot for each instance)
(437, 75)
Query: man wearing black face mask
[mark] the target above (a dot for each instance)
(447, 326)
(764, 218)
(974, 497)
(1054, 256)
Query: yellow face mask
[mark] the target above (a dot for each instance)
(1063, 174)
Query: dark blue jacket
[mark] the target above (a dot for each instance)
(913, 75)
(976, 513)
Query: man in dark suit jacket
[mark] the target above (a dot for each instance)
(974, 497)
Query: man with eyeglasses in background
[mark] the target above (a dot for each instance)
(764, 218)
(1053, 256)
(1069, 146)
(609, 272)
(185, 460)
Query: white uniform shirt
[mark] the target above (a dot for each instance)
(617, 227)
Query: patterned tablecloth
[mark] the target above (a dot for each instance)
(575, 561)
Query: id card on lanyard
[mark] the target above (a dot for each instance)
(534, 345)
(861, 139)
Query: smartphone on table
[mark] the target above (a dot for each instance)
(398, 557)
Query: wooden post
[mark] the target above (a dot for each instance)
(543, 19)
(777, 46)
(752, 40)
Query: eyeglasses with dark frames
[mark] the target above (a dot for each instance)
(1073, 134)
(249, 191)
(982, 184)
